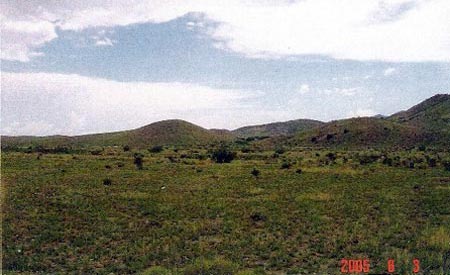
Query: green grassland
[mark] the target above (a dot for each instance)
(185, 214)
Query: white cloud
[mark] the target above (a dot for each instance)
(386, 30)
(389, 71)
(20, 38)
(48, 103)
(105, 41)
(304, 89)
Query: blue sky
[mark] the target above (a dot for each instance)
(219, 67)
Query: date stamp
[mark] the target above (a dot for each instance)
(355, 266)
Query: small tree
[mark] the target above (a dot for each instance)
(156, 149)
(139, 160)
(255, 172)
(222, 155)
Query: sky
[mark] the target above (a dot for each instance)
(79, 67)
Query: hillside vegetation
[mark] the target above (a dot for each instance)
(427, 123)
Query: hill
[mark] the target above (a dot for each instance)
(287, 128)
(166, 132)
(432, 114)
(360, 132)
(424, 123)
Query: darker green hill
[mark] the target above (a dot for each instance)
(361, 132)
(287, 128)
(432, 114)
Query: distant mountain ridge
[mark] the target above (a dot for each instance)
(425, 123)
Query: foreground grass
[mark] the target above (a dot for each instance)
(196, 217)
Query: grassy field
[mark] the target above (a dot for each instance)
(184, 214)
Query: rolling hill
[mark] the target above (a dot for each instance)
(432, 114)
(287, 128)
(424, 123)
(166, 132)
(361, 132)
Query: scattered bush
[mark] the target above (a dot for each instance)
(431, 162)
(255, 172)
(139, 160)
(447, 166)
(285, 165)
(107, 181)
(223, 155)
(156, 149)
(258, 217)
(331, 156)
(96, 152)
(387, 161)
(280, 151)
(172, 159)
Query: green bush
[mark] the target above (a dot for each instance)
(255, 172)
(139, 160)
(286, 165)
(156, 149)
(223, 155)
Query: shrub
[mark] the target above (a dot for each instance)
(223, 155)
(138, 160)
(156, 149)
(285, 165)
(107, 181)
(331, 156)
(387, 161)
(258, 217)
(431, 162)
(96, 152)
(126, 148)
(447, 166)
(255, 172)
(298, 171)
(280, 151)
(245, 150)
